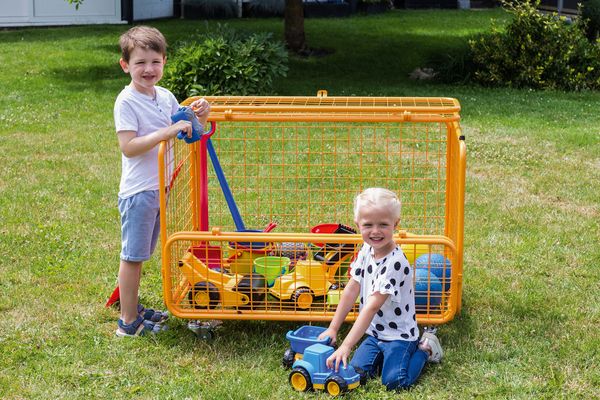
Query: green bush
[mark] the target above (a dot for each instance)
(536, 51)
(225, 63)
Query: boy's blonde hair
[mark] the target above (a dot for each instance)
(378, 198)
(143, 37)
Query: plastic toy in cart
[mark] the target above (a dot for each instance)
(312, 279)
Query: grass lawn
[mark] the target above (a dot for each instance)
(530, 317)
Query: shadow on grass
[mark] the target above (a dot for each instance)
(371, 63)
(234, 341)
(98, 77)
(45, 34)
(462, 325)
(380, 63)
(268, 337)
(110, 48)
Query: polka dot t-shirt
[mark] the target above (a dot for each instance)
(393, 275)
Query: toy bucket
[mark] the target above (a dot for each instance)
(319, 250)
(209, 255)
(334, 296)
(317, 247)
(271, 267)
(242, 254)
(323, 228)
(241, 259)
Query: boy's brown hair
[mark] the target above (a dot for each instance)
(144, 37)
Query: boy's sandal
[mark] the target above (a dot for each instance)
(149, 314)
(139, 327)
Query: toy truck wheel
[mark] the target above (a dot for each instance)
(335, 385)
(303, 298)
(288, 358)
(204, 295)
(300, 379)
(254, 287)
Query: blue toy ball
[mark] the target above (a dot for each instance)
(426, 285)
(437, 262)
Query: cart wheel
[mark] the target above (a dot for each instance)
(303, 298)
(335, 385)
(204, 295)
(288, 358)
(205, 333)
(202, 331)
(300, 379)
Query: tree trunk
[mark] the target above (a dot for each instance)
(294, 26)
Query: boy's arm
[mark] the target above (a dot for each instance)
(132, 145)
(374, 303)
(346, 303)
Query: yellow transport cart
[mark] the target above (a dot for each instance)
(298, 162)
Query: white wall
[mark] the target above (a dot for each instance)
(150, 9)
(58, 12)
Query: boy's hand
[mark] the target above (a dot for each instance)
(183, 125)
(202, 108)
(340, 356)
(331, 334)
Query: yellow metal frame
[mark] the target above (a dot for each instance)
(421, 134)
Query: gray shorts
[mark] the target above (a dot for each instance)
(140, 225)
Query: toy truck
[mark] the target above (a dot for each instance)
(299, 340)
(310, 279)
(209, 287)
(311, 372)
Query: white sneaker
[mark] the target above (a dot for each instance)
(429, 338)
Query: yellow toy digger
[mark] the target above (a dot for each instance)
(313, 278)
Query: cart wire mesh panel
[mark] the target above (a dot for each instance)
(256, 220)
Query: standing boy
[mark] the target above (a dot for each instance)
(383, 278)
(142, 119)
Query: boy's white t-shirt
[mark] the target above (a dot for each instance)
(135, 111)
(392, 275)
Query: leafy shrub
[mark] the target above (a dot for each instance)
(225, 63)
(537, 51)
(590, 14)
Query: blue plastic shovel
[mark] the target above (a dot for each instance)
(235, 212)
